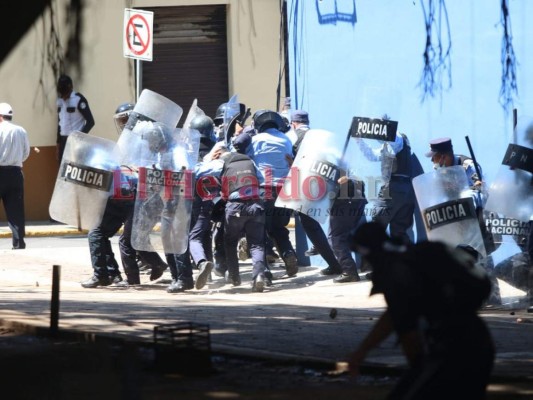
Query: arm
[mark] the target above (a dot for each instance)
(83, 108)
(369, 153)
(26, 152)
(58, 130)
(241, 142)
(412, 345)
(379, 332)
(210, 168)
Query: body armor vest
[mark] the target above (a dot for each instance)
(238, 171)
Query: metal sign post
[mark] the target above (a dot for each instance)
(138, 41)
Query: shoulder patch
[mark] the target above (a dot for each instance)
(83, 105)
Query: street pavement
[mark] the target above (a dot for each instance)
(306, 318)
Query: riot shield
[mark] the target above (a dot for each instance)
(151, 107)
(84, 180)
(510, 262)
(375, 126)
(447, 207)
(311, 185)
(233, 111)
(511, 192)
(165, 190)
(373, 139)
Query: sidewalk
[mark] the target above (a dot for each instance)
(290, 321)
(47, 228)
(43, 229)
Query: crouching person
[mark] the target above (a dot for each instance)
(433, 293)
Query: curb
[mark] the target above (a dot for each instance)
(226, 350)
(49, 232)
(68, 230)
(337, 367)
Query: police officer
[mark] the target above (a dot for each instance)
(119, 211)
(433, 312)
(299, 126)
(14, 150)
(346, 214)
(200, 238)
(73, 112)
(396, 201)
(271, 151)
(315, 233)
(244, 212)
(442, 155)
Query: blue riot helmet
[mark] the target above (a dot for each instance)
(228, 111)
(204, 125)
(158, 136)
(265, 119)
(122, 114)
(219, 115)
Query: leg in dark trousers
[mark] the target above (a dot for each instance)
(12, 195)
(316, 234)
(200, 237)
(99, 245)
(276, 221)
(128, 254)
(345, 217)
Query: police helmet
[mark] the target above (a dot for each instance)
(122, 114)
(265, 119)
(158, 136)
(204, 125)
(219, 115)
(224, 108)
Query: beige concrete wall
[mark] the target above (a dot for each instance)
(107, 77)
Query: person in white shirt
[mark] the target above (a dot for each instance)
(14, 150)
(73, 112)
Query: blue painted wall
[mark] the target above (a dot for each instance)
(339, 49)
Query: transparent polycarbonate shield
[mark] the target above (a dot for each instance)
(510, 262)
(165, 193)
(511, 192)
(447, 206)
(231, 112)
(84, 180)
(311, 185)
(151, 107)
(194, 112)
(374, 126)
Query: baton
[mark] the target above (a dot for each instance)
(472, 155)
(245, 117)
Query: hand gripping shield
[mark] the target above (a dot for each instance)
(511, 192)
(165, 191)
(84, 180)
(447, 206)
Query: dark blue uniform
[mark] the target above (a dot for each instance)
(244, 212)
(346, 214)
(119, 211)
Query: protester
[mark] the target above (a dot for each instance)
(433, 293)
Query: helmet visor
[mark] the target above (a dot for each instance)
(121, 119)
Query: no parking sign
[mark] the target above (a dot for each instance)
(138, 34)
